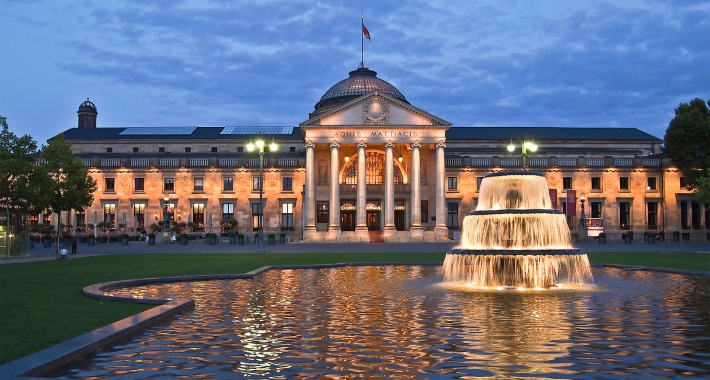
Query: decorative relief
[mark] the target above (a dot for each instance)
(375, 111)
(610, 180)
(322, 172)
(272, 178)
(125, 180)
(184, 181)
(153, 180)
(553, 179)
(467, 180)
(242, 179)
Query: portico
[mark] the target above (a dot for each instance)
(368, 165)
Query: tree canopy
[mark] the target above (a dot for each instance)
(687, 143)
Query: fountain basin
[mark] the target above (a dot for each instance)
(516, 252)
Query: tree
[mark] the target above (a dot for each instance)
(72, 187)
(687, 143)
(22, 184)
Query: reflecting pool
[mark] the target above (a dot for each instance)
(398, 322)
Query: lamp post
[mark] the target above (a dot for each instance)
(259, 144)
(166, 219)
(525, 145)
(583, 220)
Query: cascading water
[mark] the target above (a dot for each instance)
(514, 238)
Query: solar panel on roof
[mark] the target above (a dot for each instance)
(256, 130)
(158, 131)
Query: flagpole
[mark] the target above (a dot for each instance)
(362, 41)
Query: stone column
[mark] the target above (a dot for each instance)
(389, 229)
(309, 204)
(440, 229)
(334, 226)
(361, 228)
(415, 229)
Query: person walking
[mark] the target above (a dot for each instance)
(74, 243)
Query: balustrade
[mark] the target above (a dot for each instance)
(140, 162)
(110, 162)
(199, 161)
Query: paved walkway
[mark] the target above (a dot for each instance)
(39, 253)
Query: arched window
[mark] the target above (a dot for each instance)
(374, 170)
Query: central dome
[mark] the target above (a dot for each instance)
(361, 81)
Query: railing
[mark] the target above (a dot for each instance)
(254, 162)
(140, 162)
(623, 162)
(480, 162)
(399, 188)
(86, 162)
(228, 162)
(507, 162)
(595, 162)
(651, 162)
(287, 162)
(110, 162)
(199, 162)
(566, 162)
(538, 162)
(451, 162)
(169, 162)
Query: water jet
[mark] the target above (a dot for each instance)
(514, 239)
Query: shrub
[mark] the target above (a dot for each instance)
(282, 234)
(629, 234)
(124, 236)
(272, 236)
(240, 236)
(602, 234)
(91, 236)
(661, 233)
(182, 236)
(151, 235)
(66, 236)
(232, 234)
(46, 237)
(676, 233)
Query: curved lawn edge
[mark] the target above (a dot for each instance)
(52, 358)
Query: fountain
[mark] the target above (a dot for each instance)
(514, 239)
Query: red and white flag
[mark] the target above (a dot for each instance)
(366, 32)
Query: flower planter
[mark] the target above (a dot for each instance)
(151, 241)
(240, 240)
(232, 240)
(282, 239)
(272, 240)
(124, 241)
(183, 241)
(651, 239)
(627, 239)
(602, 239)
(213, 241)
(91, 242)
(46, 243)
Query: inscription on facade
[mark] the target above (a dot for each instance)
(376, 134)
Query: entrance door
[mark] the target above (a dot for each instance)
(373, 220)
(399, 209)
(347, 221)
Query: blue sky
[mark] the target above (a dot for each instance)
(472, 63)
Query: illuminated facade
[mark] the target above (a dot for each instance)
(368, 162)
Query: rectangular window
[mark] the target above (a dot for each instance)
(240, 149)
(135, 149)
(292, 149)
(227, 211)
(683, 184)
(109, 150)
(139, 215)
(198, 216)
(652, 183)
(452, 215)
(139, 184)
(624, 183)
(596, 183)
(169, 184)
(566, 183)
(110, 184)
(110, 214)
(199, 184)
(287, 216)
(625, 215)
(453, 183)
(227, 183)
(652, 215)
(188, 149)
(256, 183)
(214, 149)
(425, 211)
(80, 221)
(161, 149)
(170, 212)
(287, 183)
(684, 215)
(696, 216)
(478, 183)
(322, 212)
(47, 220)
(256, 213)
(596, 208)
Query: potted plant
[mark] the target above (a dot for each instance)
(213, 238)
(676, 236)
(46, 240)
(124, 239)
(661, 236)
(232, 237)
(91, 239)
(602, 238)
(628, 237)
(66, 239)
(282, 238)
(151, 239)
(240, 239)
(183, 238)
(229, 224)
(272, 239)
(650, 237)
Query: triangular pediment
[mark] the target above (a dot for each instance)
(375, 109)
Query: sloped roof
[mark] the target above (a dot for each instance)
(549, 133)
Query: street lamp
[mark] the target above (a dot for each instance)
(166, 216)
(259, 144)
(525, 145)
(583, 219)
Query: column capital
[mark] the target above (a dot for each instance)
(310, 144)
(441, 144)
(334, 144)
(389, 144)
(416, 144)
(362, 144)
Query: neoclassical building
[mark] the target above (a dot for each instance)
(368, 163)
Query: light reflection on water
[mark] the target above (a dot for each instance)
(396, 322)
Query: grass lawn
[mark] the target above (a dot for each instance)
(41, 302)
